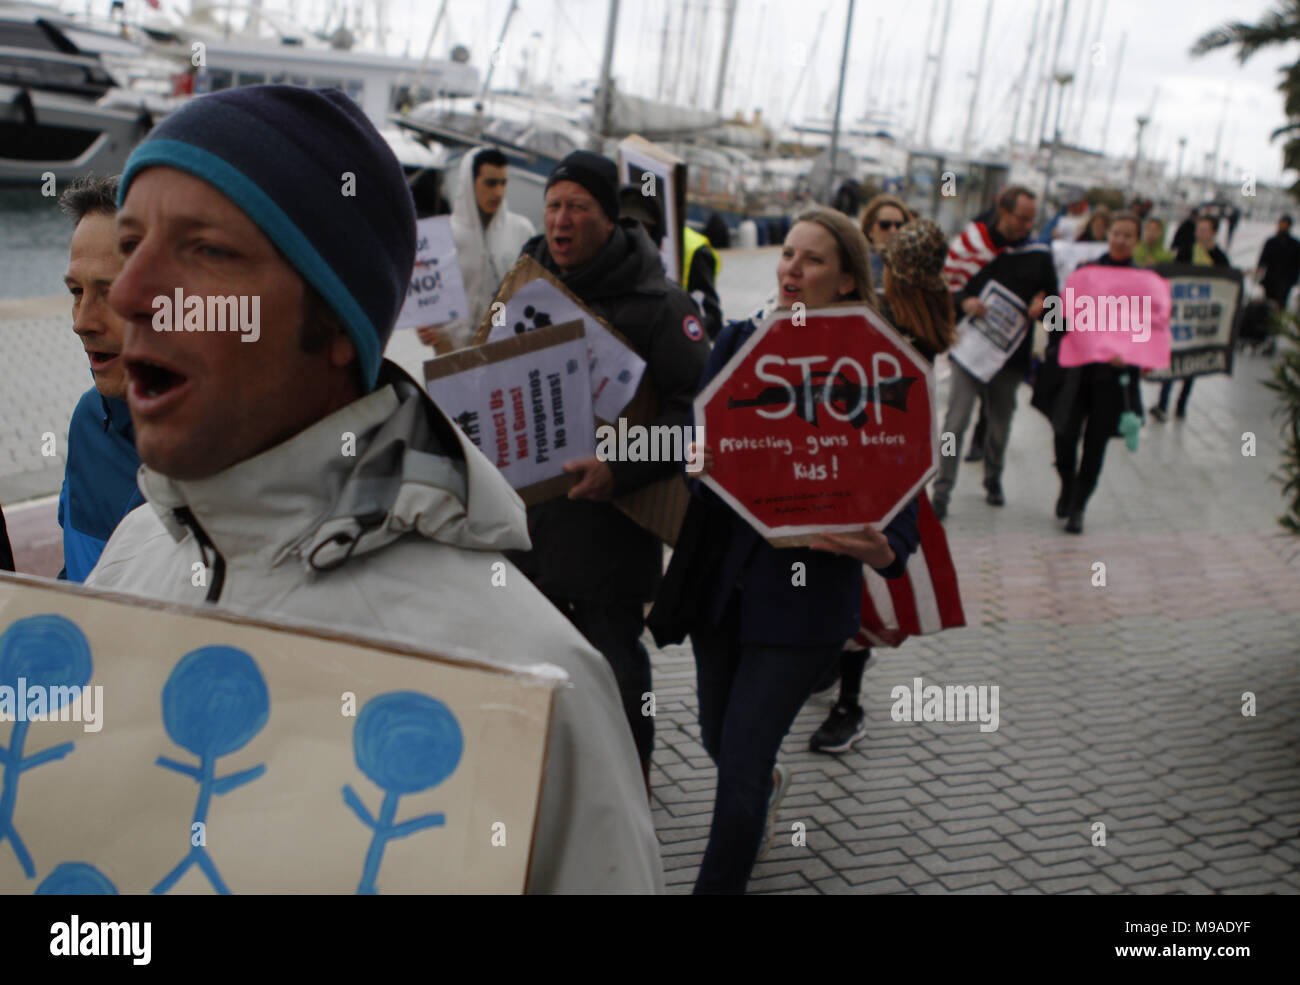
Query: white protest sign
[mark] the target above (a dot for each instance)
(614, 369)
(437, 293)
(985, 343)
(1068, 255)
(525, 403)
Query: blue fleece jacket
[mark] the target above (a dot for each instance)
(99, 481)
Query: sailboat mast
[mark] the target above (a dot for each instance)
(726, 53)
(938, 71)
(1114, 86)
(1024, 75)
(663, 54)
(925, 67)
(500, 45)
(839, 105)
(1086, 94)
(604, 96)
(979, 76)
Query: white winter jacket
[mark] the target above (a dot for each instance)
(485, 255)
(397, 543)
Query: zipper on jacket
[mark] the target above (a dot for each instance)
(217, 564)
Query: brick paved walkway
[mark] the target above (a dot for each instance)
(1120, 704)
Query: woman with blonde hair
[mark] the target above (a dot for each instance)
(916, 302)
(760, 641)
(883, 216)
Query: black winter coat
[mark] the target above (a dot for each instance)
(1058, 389)
(1280, 259)
(587, 550)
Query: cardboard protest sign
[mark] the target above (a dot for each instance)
(1115, 311)
(525, 402)
(1203, 319)
(663, 174)
(532, 299)
(1067, 255)
(437, 293)
(828, 426)
(985, 343)
(196, 751)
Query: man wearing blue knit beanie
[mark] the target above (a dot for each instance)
(269, 236)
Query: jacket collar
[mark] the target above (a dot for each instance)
(308, 498)
(117, 415)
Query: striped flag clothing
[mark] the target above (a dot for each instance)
(967, 255)
(924, 600)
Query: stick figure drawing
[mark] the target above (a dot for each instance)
(405, 742)
(213, 703)
(48, 653)
(76, 879)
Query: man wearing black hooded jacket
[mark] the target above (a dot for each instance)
(594, 563)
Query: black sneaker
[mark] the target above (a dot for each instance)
(1159, 414)
(993, 496)
(842, 728)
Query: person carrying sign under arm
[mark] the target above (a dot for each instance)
(1002, 258)
(1095, 395)
(589, 558)
(300, 477)
(760, 642)
(488, 237)
(1204, 252)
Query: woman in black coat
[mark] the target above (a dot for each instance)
(763, 638)
(1095, 395)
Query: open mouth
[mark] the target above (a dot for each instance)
(153, 386)
(99, 359)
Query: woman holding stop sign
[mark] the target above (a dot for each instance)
(771, 621)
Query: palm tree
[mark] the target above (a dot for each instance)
(1279, 26)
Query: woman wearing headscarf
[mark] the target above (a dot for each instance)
(915, 301)
(760, 641)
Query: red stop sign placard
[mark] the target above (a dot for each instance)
(821, 427)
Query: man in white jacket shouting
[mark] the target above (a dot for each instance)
(488, 238)
(311, 480)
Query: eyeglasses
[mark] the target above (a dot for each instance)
(888, 224)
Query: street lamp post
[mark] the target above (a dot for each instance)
(1142, 122)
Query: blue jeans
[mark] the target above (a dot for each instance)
(749, 697)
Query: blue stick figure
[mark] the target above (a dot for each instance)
(76, 879)
(405, 742)
(212, 704)
(50, 652)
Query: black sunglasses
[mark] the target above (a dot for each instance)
(888, 224)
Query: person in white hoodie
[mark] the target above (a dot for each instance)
(312, 481)
(488, 238)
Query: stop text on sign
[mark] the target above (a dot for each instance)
(828, 390)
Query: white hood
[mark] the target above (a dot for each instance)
(485, 255)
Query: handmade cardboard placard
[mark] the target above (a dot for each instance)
(525, 402)
(533, 299)
(661, 173)
(436, 294)
(1203, 319)
(196, 751)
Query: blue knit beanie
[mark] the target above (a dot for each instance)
(280, 153)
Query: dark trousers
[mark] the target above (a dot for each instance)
(614, 628)
(1079, 477)
(1168, 385)
(749, 697)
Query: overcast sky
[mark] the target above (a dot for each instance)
(772, 36)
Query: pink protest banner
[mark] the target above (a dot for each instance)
(1116, 311)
